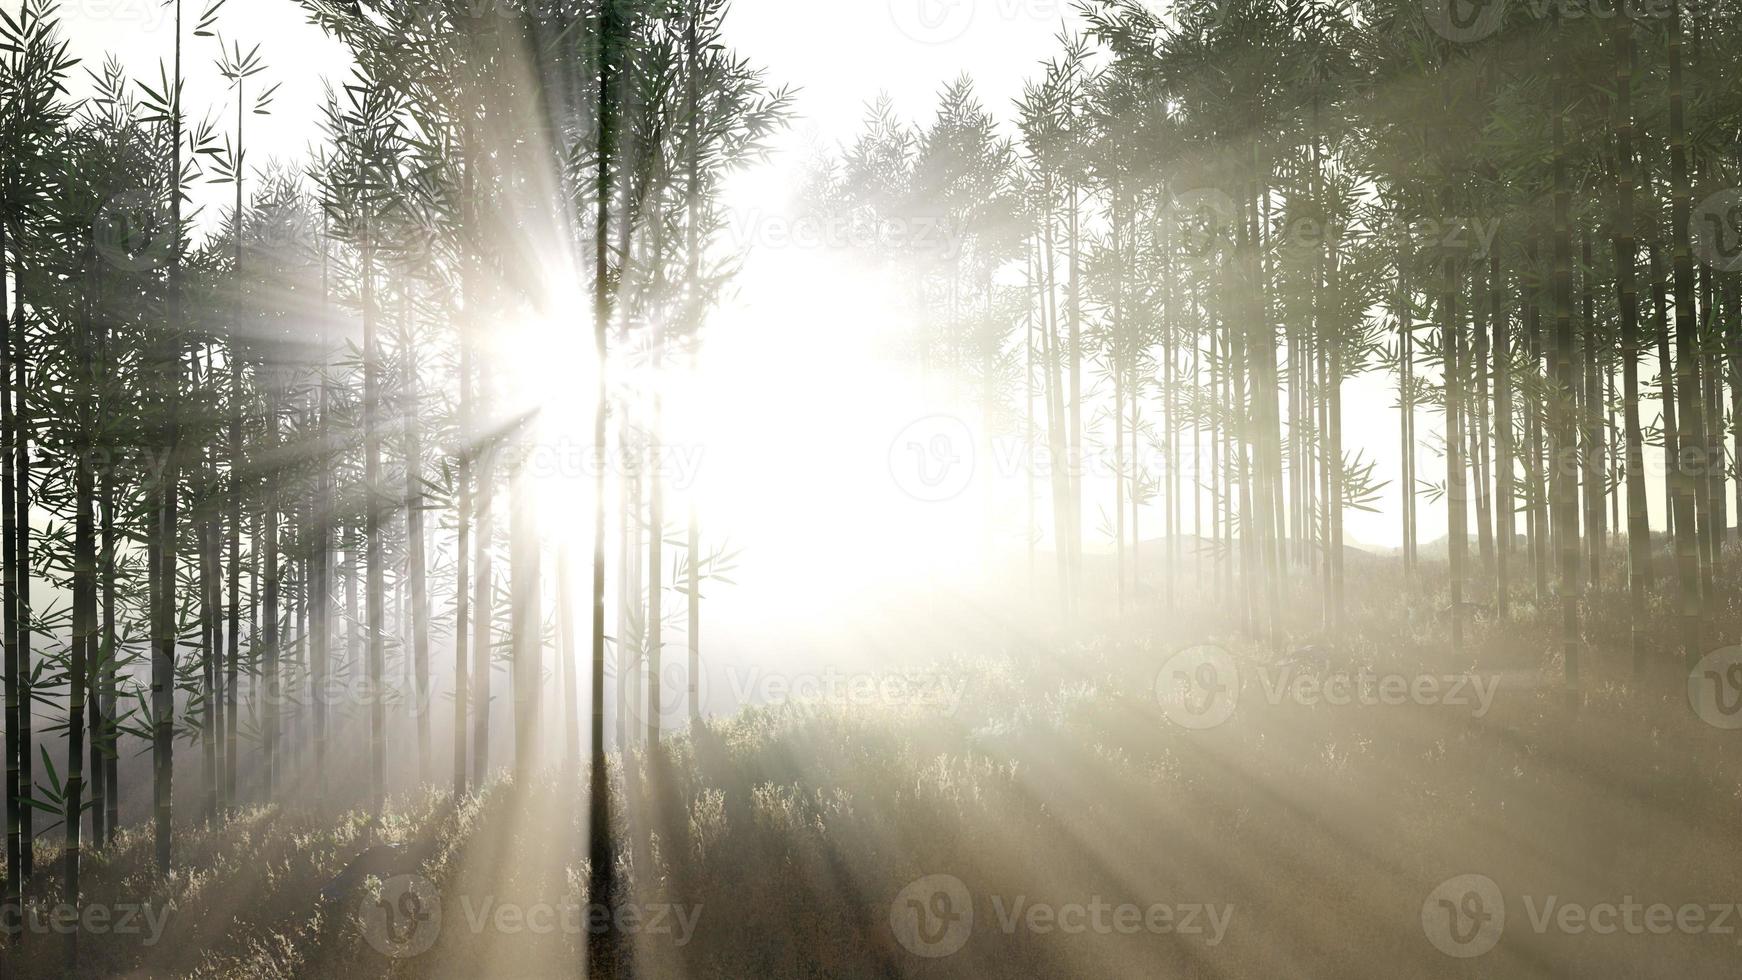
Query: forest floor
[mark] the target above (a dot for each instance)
(1059, 820)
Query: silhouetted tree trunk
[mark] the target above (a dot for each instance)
(1563, 473)
(1690, 457)
(1627, 297)
(601, 876)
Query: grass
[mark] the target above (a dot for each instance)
(789, 833)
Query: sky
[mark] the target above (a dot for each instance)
(789, 314)
(907, 48)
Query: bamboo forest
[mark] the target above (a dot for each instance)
(510, 489)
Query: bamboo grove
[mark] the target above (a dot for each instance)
(258, 464)
(1211, 218)
(260, 469)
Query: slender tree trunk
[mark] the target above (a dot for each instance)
(1478, 425)
(1563, 412)
(483, 589)
(272, 711)
(1452, 341)
(111, 772)
(693, 283)
(84, 609)
(1057, 436)
(21, 625)
(1627, 298)
(1665, 379)
(211, 639)
(468, 451)
(374, 559)
(1457, 527)
(1716, 519)
(322, 547)
(601, 876)
(162, 544)
(568, 652)
(1074, 444)
(1690, 457)
(1537, 410)
(15, 746)
(528, 640)
(1117, 369)
(415, 550)
(1405, 414)
(1505, 501)
(1595, 456)
(1733, 341)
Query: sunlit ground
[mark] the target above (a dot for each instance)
(1289, 838)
